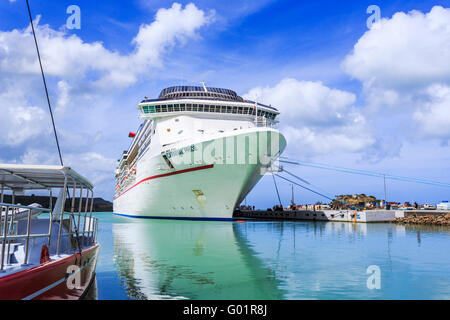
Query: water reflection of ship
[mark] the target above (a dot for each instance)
(319, 260)
(186, 260)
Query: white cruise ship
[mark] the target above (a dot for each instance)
(197, 155)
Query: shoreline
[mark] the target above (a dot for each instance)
(437, 220)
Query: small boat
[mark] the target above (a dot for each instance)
(47, 253)
(20, 214)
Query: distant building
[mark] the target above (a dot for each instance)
(444, 205)
(407, 205)
(394, 205)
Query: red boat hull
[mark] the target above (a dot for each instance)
(48, 281)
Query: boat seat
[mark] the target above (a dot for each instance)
(40, 226)
(16, 253)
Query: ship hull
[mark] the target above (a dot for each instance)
(48, 281)
(209, 188)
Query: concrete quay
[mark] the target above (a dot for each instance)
(368, 216)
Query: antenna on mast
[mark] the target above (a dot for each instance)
(204, 86)
(256, 109)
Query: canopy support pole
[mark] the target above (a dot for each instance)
(61, 219)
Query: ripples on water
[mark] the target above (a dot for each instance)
(170, 259)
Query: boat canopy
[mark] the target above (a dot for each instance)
(33, 177)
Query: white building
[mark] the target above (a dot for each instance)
(444, 205)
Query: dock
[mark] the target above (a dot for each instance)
(364, 216)
(422, 213)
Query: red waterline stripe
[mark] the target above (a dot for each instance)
(210, 166)
(49, 265)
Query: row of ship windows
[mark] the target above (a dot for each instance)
(198, 94)
(208, 108)
(195, 88)
(145, 139)
(144, 148)
(141, 137)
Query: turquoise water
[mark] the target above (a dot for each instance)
(166, 259)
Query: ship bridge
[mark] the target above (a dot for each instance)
(195, 99)
(199, 92)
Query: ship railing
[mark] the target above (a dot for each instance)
(265, 122)
(9, 233)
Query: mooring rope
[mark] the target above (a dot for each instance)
(297, 184)
(276, 188)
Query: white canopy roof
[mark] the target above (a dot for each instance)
(27, 177)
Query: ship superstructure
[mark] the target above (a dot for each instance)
(197, 154)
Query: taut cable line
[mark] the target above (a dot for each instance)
(53, 119)
(363, 172)
(45, 84)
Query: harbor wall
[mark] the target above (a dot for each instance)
(423, 213)
(370, 216)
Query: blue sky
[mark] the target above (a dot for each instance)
(389, 94)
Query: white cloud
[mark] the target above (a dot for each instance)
(171, 26)
(63, 96)
(83, 72)
(38, 156)
(69, 57)
(306, 102)
(309, 141)
(434, 117)
(89, 88)
(404, 66)
(409, 50)
(20, 123)
(316, 119)
(19, 120)
(96, 167)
